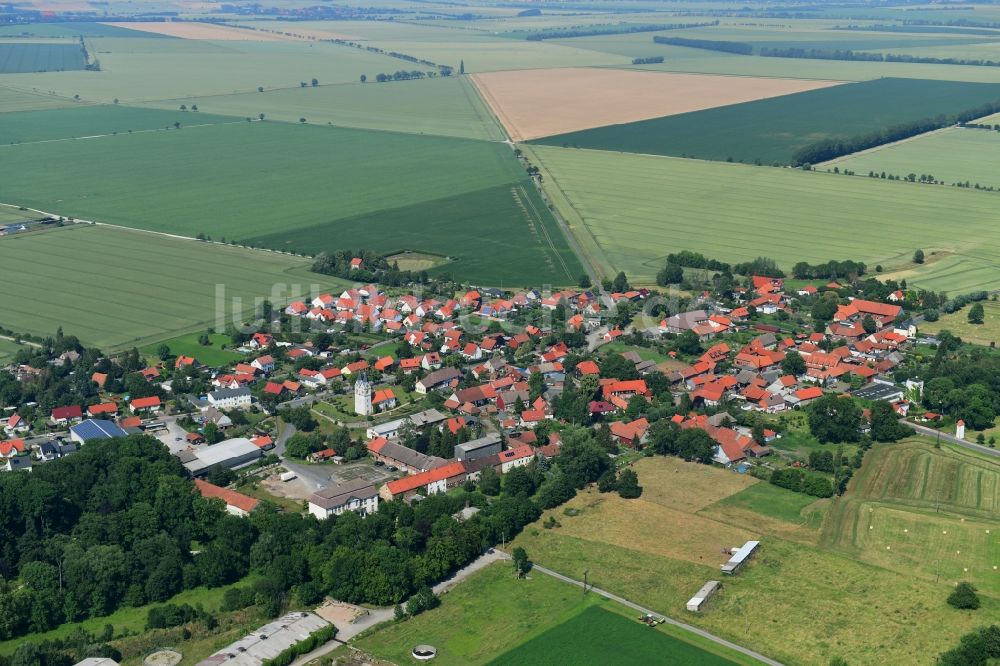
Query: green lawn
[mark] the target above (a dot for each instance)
(630, 211)
(496, 613)
(953, 155)
(300, 188)
(116, 287)
(645, 353)
(445, 106)
(772, 130)
(187, 345)
(131, 620)
(597, 635)
(770, 500)
(7, 349)
(958, 323)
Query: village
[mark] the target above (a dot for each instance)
(486, 380)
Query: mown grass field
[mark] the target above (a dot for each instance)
(599, 636)
(302, 188)
(795, 602)
(92, 121)
(772, 130)
(630, 211)
(445, 106)
(214, 354)
(8, 348)
(925, 511)
(502, 620)
(20, 57)
(116, 288)
(958, 323)
(953, 155)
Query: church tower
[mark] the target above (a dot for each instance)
(363, 396)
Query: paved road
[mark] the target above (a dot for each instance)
(346, 632)
(646, 611)
(279, 444)
(931, 432)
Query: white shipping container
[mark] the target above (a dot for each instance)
(288, 476)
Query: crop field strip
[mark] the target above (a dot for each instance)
(13, 101)
(145, 69)
(314, 203)
(162, 286)
(740, 212)
(92, 121)
(71, 29)
(951, 155)
(771, 130)
(21, 57)
(442, 106)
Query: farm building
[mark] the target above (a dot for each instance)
(740, 556)
(230, 453)
(698, 601)
(267, 642)
(237, 504)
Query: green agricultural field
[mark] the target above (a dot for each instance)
(630, 211)
(136, 70)
(70, 30)
(21, 57)
(772, 130)
(116, 287)
(600, 636)
(95, 121)
(498, 613)
(11, 214)
(952, 155)
(445, 106)
(929, 512)
(17, 100)
(958, 323)
(7, 349)
(300, 188)
(214, 354)
(795, 602)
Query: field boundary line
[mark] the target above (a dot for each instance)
(875, 149)
(125, 133)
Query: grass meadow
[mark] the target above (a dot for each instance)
(952, 155)
(443, 106)
(213, 354)
(20, 57)
(18, 100)
(300, 188)
(796, 602)
(958, 323)
(8, 348)
(492, 618)
(116, 288)
(930, 512)
(630, 211)
(772, 130)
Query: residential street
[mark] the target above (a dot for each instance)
(931, 432)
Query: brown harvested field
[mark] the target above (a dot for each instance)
(688, 486)
(542, 102)
(649, 527)
(192, 30)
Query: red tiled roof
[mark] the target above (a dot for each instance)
(230, 497)
(103, 408)
(143, 403)
(408, 483)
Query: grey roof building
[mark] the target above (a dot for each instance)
(478, 448)
(357, 495)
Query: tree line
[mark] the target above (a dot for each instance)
(618, 29)
(651, 60)
(848, 54)
(741, 48)
(830, 270)
(828, 149)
